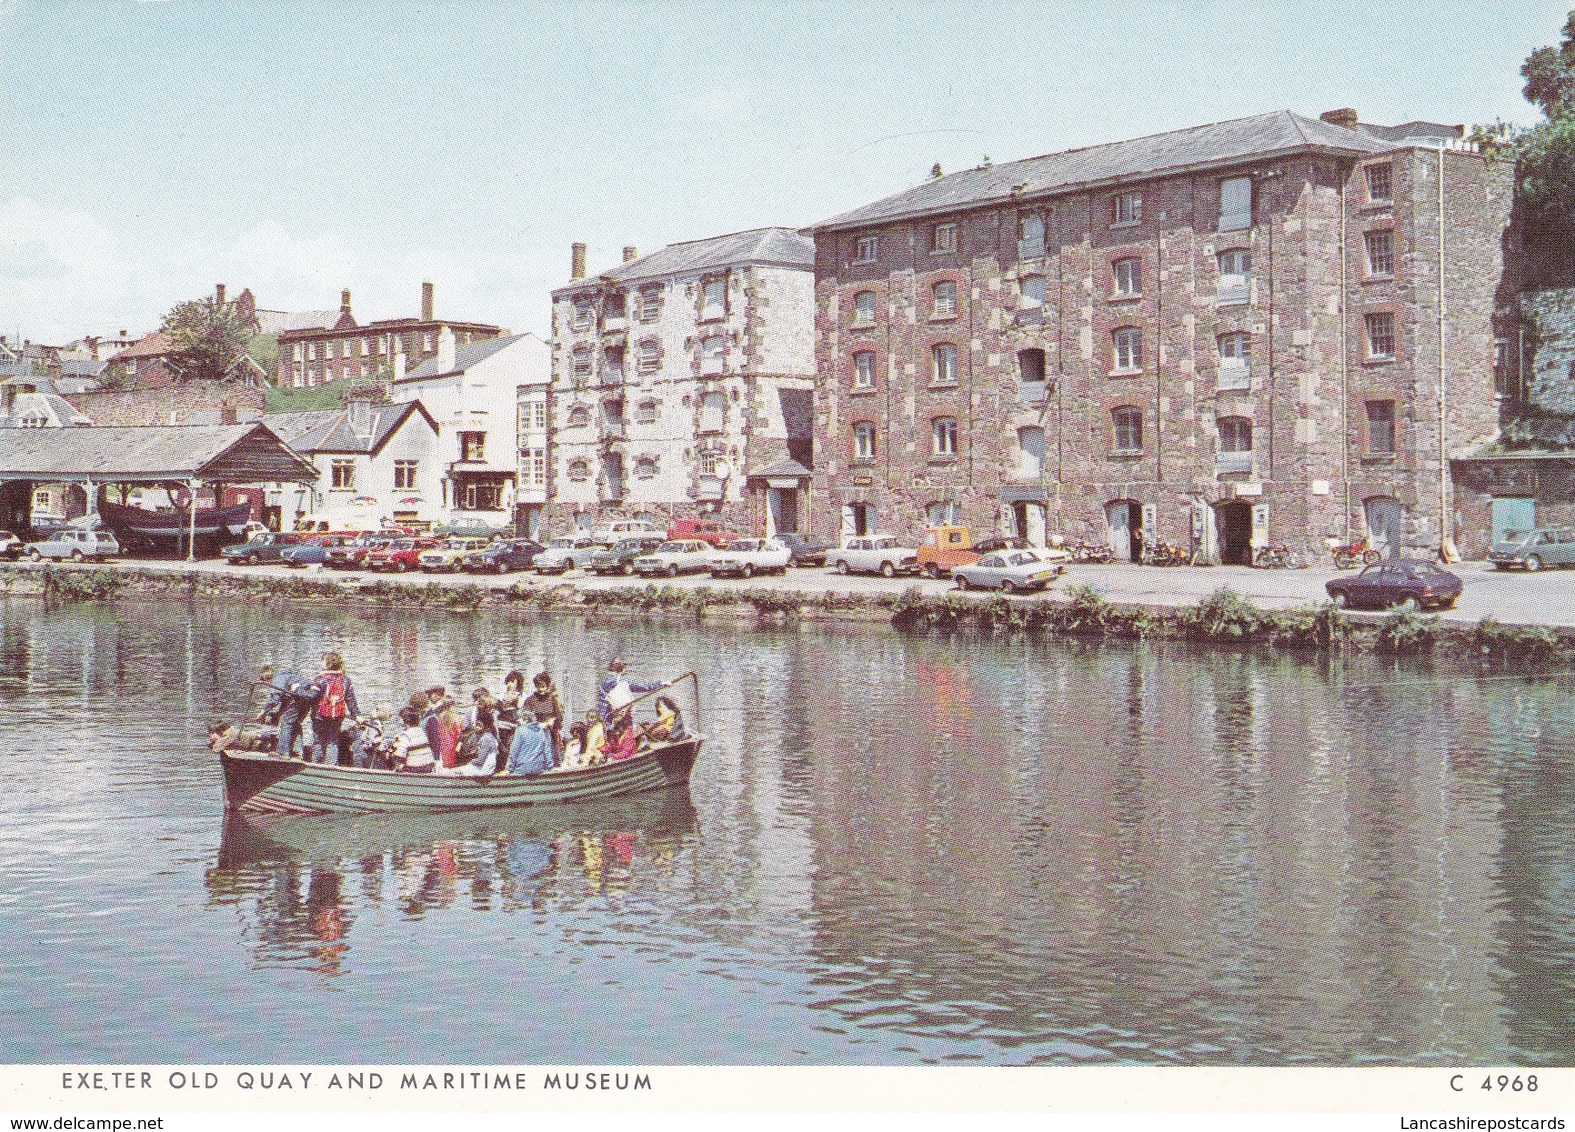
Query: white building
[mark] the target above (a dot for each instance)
(473, 393)
(683, 382)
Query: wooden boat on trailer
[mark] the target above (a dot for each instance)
(270, 784)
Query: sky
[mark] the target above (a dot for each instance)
(149, 150)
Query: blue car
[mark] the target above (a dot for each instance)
(313, 553)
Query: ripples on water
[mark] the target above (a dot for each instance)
(895, 850)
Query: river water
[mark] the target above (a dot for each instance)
(896, 850)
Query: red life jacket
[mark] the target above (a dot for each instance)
(332, 703)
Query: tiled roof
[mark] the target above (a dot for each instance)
(1217, 144)
(782, 468)
(82, 367)
(781, 247)
(143, 453)
(152, 346)
(330, 430)
(466, 356)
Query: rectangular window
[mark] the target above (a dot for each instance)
(1128, 343)
(1030, 236)
(1381, 428)
(864, 308)
(1380, 183)
(1128, 277)
(1235, 204)
(713, 355)
(366, 347)
(405, 474)
(1380, 252)
(945, 239)
(943, 364)
(650, 357)
(714, 304)
(1127, 208)
(297, 351)
(582, 364)
(864, 441)
(343, 474)
(945, 300)
(473, 446)
(649, 305)
(533, 416)
(1380, 334)
(311, 351)
(865, 250)
(582, 314)
(533, 467)
(1128, 424)
(943, 436)
(864, 370)
(1235, 276)
(1501, 366)
(1235, 362)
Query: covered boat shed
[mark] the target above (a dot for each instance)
(192, 456)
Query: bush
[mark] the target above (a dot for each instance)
(1223, 615)
(1406, 632)
(82, 585)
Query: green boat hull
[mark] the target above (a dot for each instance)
(267, 784)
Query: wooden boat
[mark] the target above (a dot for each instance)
(224, 521)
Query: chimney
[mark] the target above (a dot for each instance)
(445, 354)
(358, 415)
(1345, 118)
(426, 302)
(226, 412)
(218, 294)
(629, 253)
(576, 261)
(399, 358)
(344, 301)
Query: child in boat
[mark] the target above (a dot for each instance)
(486, 742)
(622, 736)
(669, 723)
(410, 751)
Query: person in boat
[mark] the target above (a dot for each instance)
(507, 711)
(486, 743)
(289, 701)
(668, 726)
(224, 736)
(532, 749)
(623, 737)
(617, 690)
(436, 700)
(370, 745)
(410, 752)
(333, 702)
(585, 748)
(450, 726)
(545, 706)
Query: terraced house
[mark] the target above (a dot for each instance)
(682, 383)
(1274, 329)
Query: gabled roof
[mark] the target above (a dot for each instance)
(331, 430)
(151, 346)
(782, 468)
(779, 247)
(1218, 144)
(82, 367)
(280, 322)
(38, 394)
(238, 453)
(469, 355)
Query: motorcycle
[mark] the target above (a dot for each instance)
(1275, 557)
(1356, 551)
(1089, 552)
(1163, 554)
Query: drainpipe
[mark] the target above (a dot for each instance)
(1345, 376)
(1444, 540)
(191, 538)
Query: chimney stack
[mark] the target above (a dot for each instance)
(576, 261)
(426, 302)
(629, 253)
(445, 351)
(1345, 117)
(218, 294)
(399, 358)
(226, 414)
(344, 301)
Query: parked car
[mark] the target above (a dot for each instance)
(571, 552)
(267, 547)
(467, 527)
(1409, 582)
(312, 551)
(45, 525)
(675, 557)
(702, 527)
(943, 549)
(503, 556)
(447, 554)
(321, 525)
(1010, 571)
(399, 555)
(620, 557)
(747, 557)
(75, 544)
(618, 529)
(873, 554)
(1532, 550)
(806, 552)
(10, 546)
(351, 555)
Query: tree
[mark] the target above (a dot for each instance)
(206, 339)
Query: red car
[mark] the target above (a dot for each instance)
(400, 555)
(352, 555)
(706, 530)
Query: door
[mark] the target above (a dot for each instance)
(1513, 515)
(1385, 524)
(1125, 529)
(855, 520)
(1028, 522)
(782, 505)
(1233, 528)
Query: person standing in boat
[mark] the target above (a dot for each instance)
(617, 690)
(288, 702)
(410, 752)
(507, 709)
(334, 700)
(545, 706)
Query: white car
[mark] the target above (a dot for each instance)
(680, 556)
(621, 529)
(747, 557)
(1010, 571)
(74, 544)
(874, 554)
(570, 552)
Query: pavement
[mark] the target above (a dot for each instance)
(1512, 598)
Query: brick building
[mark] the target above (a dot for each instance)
(319, 347)
(1218, 337)
(682, 382)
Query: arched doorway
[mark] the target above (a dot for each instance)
(1233, 530)
(1385, 524)
(1125, 518)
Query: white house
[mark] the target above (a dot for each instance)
(374, 462)
(29, 401)
(472, 392)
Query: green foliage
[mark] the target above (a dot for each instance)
(330, 395)
(206, 339)
(1524, 645)
(63, 584)
(1223, 615)
(264, 350)
(1406, 632)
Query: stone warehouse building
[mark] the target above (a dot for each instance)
(1219, 337)
(682, 382)
(320, 346)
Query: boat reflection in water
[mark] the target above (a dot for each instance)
(300, 882)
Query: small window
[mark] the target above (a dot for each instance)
(582, 363)
(1030, 236)
(1235, 204)
(579, 470)
(1501, 366)
(1031, 372)
(649, 304)
(864, 369)
(1128, 427)
(473, 446)
(943, 364)
(579, 416)
(646, 412)
(864, 441)
(1380, 335)
(945, 299)
(582, 314)
(1235, 276)
(947, 514)
(645, 467)
(1034, 293)
(865, 250)
(713, 354)
(533, 465)
(343, 473)
(405, 474)
(1235, 434)
(945, 239)
(1030, 452)
(1380, 252)
(311, 351)
(650, 357)
(713, 411)
(1127, 208)
(864, 308)
(1381, 428)
(1128, 277)
(613, 306)
(1235, 361)
(710, 462)
(715, 301)
(1380, 182)
(366, 347)
(943, 436)
(1128, 344)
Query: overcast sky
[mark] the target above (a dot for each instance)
(151, 150)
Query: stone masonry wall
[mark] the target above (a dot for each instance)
(175, 404)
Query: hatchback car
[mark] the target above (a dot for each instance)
(314, 551)
(620, 557)
(1010, 571)
(570, 552)
(675, 557)
(264, 548)
(1532, 550)
(806, 552)
(1410, 583)
(75, 544)
(502, 557)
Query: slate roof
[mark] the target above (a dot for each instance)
(82, 367)
(152, 346)
(42, 396)
(779, 247)
(330, 430)
(1217, 144)
(465, 357)
(278, 322)
(782, 468)
(241, 453)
